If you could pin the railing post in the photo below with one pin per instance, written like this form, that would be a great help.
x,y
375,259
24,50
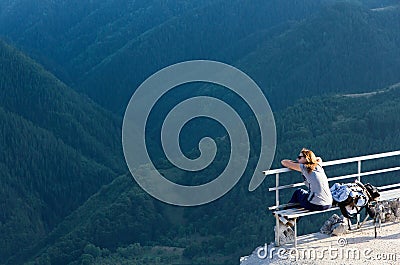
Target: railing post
x,y
359,170
277,229
277,191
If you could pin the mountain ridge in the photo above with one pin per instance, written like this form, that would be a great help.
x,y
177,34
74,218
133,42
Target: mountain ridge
x,y
65,195
55,151
355,125
28,95
307,61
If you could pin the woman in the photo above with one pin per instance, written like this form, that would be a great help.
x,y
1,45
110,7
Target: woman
x,y
319,196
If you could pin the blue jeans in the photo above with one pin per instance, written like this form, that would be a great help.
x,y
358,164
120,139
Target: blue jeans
x,y
301,196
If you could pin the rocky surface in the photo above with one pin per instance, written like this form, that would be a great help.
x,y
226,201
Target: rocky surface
x,y
355,247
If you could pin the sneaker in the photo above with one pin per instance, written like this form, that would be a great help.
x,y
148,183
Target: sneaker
x,y
290,223
286,234
286,222
283,220
282,227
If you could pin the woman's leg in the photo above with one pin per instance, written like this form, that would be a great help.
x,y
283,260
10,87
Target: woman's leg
x,y
301,196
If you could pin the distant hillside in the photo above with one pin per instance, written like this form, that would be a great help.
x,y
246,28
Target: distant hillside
x,y
343,49
106,48
35,94
118,217
57,149
42,180
340,48
326,67
208,32
110,47
69,37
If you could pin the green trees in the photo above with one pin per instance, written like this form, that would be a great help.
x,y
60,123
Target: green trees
x,y
121,214
57,149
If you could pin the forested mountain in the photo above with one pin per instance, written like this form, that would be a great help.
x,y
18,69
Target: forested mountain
x,y
87,45
65,194
71,37
57,149
107,48
33,93
200,34
343,49
119,222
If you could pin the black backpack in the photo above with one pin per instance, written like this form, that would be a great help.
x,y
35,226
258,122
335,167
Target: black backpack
x,y
372,190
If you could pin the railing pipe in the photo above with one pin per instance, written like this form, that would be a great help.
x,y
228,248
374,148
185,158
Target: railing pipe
x,y
340,161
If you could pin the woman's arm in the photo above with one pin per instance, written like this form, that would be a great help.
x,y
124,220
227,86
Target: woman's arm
x,y
291,165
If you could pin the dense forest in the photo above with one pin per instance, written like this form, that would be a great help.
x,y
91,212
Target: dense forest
x,y
122,223
68,68
53,146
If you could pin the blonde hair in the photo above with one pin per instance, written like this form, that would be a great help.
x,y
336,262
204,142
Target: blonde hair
x,y
311,159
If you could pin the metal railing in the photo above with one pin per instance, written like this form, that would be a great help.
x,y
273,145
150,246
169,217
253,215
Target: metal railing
x,y
359,173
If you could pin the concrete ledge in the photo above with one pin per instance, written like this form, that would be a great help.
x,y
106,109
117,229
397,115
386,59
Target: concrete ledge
x,y
355,247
